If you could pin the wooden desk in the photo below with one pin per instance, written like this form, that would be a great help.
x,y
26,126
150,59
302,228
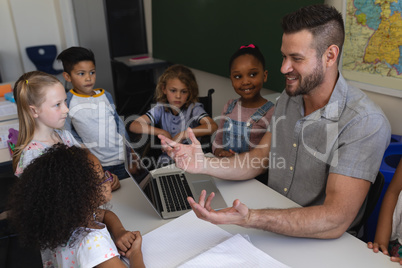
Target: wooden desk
x,y
137,214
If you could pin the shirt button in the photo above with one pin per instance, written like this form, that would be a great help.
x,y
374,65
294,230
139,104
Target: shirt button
x,y
248,124
291,168
294,145
285,190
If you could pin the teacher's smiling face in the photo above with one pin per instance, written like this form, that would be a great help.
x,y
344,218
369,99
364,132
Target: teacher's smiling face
x,y
302,68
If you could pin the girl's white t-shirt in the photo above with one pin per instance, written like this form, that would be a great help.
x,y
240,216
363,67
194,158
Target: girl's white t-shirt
x,y
87,250
37,148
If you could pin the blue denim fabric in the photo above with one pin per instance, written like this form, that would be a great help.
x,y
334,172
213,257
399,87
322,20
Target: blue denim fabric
x,y
118,170
236,135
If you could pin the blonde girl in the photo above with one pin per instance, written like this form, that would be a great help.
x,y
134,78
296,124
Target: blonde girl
x,y
42,111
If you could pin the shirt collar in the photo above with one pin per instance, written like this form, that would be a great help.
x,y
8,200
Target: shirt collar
x,y
335,105
337,102
102,91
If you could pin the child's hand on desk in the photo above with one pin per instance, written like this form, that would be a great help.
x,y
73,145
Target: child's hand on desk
x,y
383,247
377,247
115,182
136,245
124,240
134,254
397,259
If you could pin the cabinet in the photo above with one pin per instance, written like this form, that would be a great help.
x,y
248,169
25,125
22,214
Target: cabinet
x,y
115,29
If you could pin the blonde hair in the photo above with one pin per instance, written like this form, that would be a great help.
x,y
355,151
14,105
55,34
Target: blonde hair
x,y
29,90
185,75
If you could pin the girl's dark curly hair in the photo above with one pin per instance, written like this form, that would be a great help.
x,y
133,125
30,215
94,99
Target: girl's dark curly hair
x,y
58,192
252,50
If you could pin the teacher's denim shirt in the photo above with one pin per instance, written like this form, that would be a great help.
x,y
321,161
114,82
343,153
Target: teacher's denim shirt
x,y
348,136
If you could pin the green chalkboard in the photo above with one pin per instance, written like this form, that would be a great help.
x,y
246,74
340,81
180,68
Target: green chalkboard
x,y
203,34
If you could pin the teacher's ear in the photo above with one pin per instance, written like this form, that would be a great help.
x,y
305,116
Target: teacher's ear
x,y
331,55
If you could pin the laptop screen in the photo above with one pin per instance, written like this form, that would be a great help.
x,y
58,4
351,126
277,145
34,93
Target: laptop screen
x,y
135,167
138,171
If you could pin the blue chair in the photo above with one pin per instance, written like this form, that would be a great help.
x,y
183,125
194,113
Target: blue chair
x,y
396,138
43,57
391,160
373,196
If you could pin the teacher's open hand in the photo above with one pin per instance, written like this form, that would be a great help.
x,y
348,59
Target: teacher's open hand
x,y
237,214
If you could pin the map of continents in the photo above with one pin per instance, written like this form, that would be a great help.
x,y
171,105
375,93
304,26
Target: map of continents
x,y
373,39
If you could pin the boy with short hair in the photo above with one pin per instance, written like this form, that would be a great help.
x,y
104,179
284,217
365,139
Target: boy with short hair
x,y
93,119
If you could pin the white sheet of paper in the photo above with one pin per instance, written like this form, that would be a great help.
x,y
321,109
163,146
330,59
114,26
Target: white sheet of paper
x,y
180,240
190,242
234,252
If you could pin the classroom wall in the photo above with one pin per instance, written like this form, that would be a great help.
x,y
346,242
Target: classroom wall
x,y
390,105
52,21
26,23
10,63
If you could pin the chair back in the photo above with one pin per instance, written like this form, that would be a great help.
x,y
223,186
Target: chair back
x,y
206,101
372,198
43,58
390,160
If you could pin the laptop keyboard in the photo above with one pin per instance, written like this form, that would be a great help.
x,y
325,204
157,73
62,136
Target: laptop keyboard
x,y
175,190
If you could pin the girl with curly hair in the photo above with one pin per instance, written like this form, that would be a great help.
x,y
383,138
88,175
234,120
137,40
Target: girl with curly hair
x,y
55,207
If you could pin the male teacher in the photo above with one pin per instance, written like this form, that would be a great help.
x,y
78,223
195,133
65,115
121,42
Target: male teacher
x,y
329,137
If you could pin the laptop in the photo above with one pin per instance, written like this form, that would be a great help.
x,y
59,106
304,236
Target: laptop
x,y
167,189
